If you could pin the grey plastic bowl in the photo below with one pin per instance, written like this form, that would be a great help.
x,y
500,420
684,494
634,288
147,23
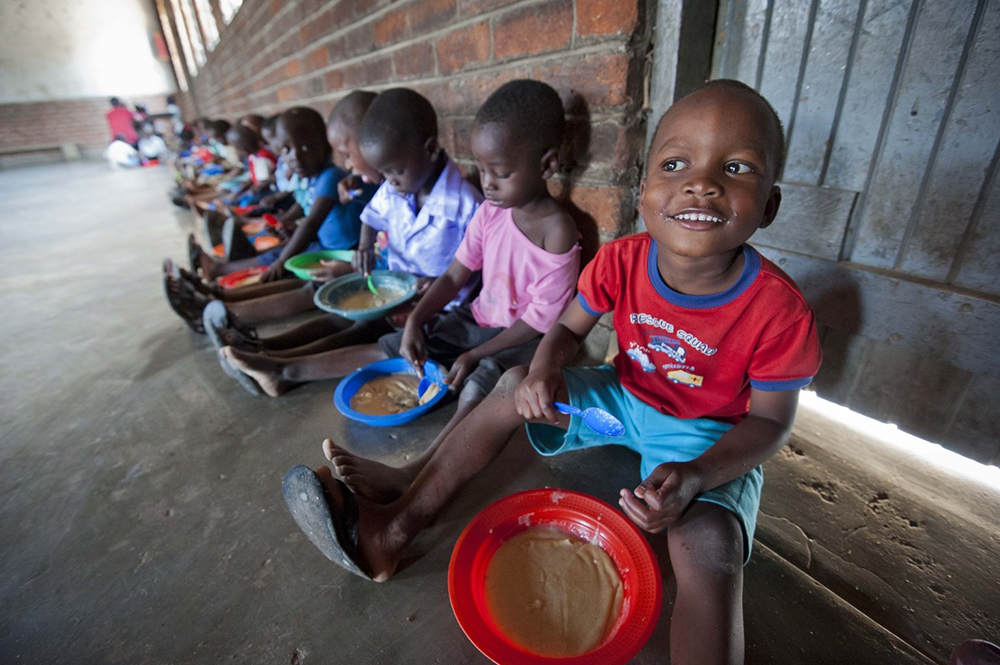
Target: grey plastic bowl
x,y
330,294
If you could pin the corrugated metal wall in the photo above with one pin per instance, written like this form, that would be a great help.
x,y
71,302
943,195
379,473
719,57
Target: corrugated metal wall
x,y
891,214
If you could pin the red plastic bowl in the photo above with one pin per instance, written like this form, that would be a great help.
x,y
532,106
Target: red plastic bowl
x,y
583,516
233,279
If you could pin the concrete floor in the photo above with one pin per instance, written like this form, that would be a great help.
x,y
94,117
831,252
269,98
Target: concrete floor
x,y
140,506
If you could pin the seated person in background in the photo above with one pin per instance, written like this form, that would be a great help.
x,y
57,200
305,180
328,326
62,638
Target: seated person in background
x,y
151,145
121,153
120,123
714,341
425,206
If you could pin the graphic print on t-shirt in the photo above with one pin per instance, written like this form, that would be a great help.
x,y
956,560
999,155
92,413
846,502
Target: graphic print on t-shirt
x,y
677,367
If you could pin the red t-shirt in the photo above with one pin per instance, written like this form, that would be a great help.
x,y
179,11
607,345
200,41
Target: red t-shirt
x,y
120,122
699,356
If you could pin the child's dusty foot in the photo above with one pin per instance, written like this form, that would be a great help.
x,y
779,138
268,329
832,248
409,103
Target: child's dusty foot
x,y
373,480
350,530
224,330
264,370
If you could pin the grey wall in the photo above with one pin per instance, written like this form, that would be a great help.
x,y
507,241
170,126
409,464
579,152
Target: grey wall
x,y
891,215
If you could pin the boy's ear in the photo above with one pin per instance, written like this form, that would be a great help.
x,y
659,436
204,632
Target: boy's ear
x,y
431,146
642,193
550,163
771,207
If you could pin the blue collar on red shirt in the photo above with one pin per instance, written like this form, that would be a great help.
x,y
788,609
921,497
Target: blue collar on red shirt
x,y
751,267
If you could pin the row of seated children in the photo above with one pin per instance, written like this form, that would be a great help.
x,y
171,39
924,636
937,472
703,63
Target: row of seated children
x,y
689,294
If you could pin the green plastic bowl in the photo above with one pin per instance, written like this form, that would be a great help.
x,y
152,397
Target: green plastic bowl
x,y
333,292
297,264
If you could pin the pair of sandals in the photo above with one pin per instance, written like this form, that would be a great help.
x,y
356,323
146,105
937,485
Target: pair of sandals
x,y
182,298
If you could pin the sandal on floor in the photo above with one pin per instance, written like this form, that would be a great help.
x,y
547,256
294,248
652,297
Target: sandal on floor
x,y
183,303
200,285
334,533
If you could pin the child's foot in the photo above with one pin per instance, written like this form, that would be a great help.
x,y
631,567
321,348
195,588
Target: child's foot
x,y
264,370
224,330
200,261
211,290
373,480
351,531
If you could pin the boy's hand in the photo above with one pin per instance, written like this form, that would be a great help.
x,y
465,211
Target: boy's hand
x,y
463,366
364,260
660,500
268,201
533,398
423,283
346,188
330,270
275,272
412,348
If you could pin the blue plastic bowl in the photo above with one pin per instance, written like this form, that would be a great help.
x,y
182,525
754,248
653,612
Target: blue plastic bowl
x,y
330,294
353,382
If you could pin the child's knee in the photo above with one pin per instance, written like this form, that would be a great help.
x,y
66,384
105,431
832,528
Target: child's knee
x,y
510,380
706,543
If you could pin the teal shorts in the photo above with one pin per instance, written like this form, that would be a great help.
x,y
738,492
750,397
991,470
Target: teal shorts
x,y
656,436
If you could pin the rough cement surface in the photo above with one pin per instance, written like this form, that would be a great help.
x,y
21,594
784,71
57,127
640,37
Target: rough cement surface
x,y
140,506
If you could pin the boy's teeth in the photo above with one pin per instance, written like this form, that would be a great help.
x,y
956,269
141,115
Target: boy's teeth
x,y
699,217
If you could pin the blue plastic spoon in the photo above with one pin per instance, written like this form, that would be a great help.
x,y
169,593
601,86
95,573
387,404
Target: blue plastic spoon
x,y
596,419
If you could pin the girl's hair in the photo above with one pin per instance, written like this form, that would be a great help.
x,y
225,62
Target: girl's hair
x,y
532,109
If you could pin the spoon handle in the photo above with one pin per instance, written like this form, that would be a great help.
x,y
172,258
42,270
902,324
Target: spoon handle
x,y
371,286
567,408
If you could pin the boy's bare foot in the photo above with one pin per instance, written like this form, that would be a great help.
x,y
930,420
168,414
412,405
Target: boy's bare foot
x,y
350,530
264,370
373,480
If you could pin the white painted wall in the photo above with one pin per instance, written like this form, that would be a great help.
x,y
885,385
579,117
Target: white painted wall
x,y
67,49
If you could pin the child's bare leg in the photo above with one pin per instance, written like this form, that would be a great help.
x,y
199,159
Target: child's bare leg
x,y
241,293
276,305
278,375
383,483
289,342
384,531
348,334
706,552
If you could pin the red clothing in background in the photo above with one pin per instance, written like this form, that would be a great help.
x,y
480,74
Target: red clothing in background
x,y
120,122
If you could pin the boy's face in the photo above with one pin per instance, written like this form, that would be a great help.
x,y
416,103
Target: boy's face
x,y
710,180
405,166
305,152
347,152
511,176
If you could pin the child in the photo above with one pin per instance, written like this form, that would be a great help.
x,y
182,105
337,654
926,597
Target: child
x,y
714,344
425,206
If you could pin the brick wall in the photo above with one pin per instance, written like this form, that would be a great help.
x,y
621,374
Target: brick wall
x,y
455,52
78,121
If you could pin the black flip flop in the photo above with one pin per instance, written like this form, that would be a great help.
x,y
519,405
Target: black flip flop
x,y
181,303
213,290
335,534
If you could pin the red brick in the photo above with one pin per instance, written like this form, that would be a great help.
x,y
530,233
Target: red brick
x,y
359,40
335,50
275,6
333,80
603,205
317,28
466,7
464,47
606,17
608,144
317,59
427,15
414,61
600,78
533,29
292,68
391,28
286,93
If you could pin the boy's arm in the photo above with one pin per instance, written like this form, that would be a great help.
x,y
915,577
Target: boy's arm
x,y
519,332
364,257
660,500
304,234
441,292
536,393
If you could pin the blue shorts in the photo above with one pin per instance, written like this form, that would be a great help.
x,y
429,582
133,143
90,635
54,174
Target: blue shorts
x,y
656,436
